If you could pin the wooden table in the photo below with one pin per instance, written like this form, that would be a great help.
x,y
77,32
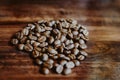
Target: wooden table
x,y
101,17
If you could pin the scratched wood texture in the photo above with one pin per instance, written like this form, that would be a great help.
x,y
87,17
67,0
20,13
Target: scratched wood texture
x,y
101,17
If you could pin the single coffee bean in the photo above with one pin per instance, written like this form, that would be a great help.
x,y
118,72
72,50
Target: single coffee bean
x,y
67,71
28,47
21,46
59,69
81,57
39,62
75,51
44,57
42,39
14,41
45,71
70,64
83,53
63,62
35,53
76,62
83,46
52,51
25,31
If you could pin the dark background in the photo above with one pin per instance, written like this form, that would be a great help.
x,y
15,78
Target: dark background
x,y
101,17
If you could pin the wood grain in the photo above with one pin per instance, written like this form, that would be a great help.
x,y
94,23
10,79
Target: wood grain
x,y
100,17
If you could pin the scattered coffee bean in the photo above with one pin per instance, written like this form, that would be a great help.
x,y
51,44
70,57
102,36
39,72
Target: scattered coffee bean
x,y
70,64
21,46
14,41
59,69
45,71
67,71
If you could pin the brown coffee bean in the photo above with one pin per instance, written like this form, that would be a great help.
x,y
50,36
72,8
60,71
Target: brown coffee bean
x,y
35,44
35,53
52,51
83,46
44,57
42,39
32,26
28,47
25,31
32,37
59,69
19,35
67,71
76,62
48,65
81,41
83,53
63,62
70,64
45,71
75,51
21,46
14,41
23,40
81,57
39,62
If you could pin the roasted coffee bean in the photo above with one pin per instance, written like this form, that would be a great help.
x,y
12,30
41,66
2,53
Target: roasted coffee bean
x,y
43,44
63,62
14,41
23,40
32,26
50,61
67,71
39,62
44,57
19,35
42,39
32,37
21,46
83,53
70,46
81,41
83,46
52,51
51,40
81,57
45,71
76,62
25,31
47,65
35,54
35,44
59,69
28,47
75,51
70,64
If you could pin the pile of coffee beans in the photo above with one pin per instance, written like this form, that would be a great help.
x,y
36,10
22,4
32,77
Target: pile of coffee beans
x,y
55,45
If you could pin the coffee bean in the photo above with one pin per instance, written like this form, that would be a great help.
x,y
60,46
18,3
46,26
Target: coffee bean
x,y
44,57
28,47
21,46
67,71
14,41
70,64
59,69
45,71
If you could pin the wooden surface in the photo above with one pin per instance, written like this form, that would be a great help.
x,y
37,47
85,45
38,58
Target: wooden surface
x,y
102,18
